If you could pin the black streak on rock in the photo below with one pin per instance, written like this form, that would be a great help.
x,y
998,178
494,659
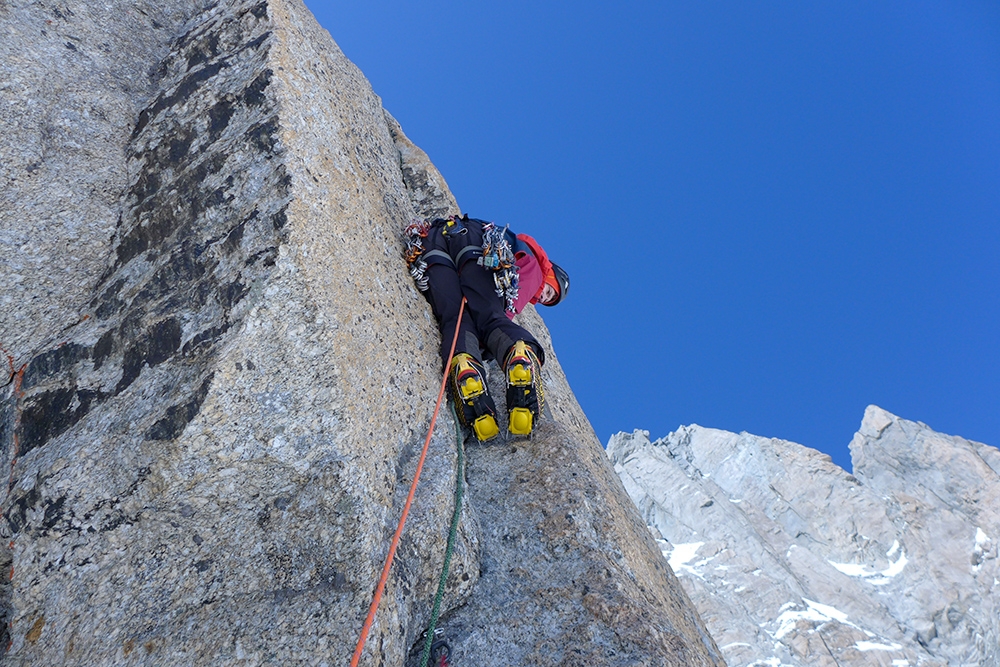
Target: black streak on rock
x,y
179,145
232,242
52,362
177,417
190,261
219,117
163,220
183,91
279,219
254,93
204,339
232,294
268,255
204,52
157,344
51,413
53,512
182,269
108,304
262,135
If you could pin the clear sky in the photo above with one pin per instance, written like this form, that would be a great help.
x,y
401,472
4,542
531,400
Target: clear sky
x,y
773,213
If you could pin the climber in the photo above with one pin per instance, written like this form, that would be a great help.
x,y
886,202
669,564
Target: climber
x,y
498,273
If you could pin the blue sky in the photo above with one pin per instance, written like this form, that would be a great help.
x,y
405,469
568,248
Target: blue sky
x,y
773,213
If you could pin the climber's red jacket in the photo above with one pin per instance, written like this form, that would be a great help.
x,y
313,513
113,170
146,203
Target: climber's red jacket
x,y
533,266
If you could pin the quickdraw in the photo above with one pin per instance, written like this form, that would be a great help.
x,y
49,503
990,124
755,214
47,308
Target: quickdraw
x,y
414,235
438,652
499,258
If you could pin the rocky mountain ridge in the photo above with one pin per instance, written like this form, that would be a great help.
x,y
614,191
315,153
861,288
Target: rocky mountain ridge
x,y
220,374
793,561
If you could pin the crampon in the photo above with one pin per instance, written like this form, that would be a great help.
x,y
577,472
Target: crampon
x,y
525,393
475,407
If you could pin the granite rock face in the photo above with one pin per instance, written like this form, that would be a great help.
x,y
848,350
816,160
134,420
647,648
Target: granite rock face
x,y
793,561
73,77
220,374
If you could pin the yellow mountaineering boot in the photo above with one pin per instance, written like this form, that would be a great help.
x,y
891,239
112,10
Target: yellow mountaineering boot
x,y
468,388
525,393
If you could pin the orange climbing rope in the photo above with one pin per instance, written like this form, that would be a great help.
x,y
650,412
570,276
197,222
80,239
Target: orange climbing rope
x,y
409,500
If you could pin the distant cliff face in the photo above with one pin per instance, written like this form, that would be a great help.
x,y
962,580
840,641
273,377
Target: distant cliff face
x,y
220,374
792,561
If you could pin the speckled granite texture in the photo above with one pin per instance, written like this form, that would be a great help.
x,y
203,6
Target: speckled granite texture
x,y
221,374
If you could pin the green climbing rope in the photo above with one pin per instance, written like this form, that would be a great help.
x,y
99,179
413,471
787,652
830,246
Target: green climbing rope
x,y
452,534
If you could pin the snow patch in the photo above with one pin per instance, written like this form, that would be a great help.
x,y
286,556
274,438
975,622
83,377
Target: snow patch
x,y
896,567
681,555
893,549
814,612
827,610
736,500
900,663
853,569
873,646
873,577
977,551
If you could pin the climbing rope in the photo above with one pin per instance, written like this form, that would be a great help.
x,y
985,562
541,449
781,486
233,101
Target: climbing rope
x,y
366,628
450,548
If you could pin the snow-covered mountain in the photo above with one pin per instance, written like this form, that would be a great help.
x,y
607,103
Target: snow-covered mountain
x,y
793,561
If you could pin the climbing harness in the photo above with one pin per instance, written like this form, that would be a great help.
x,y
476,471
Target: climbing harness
x,y
497,254
499,258
380,588
414,235
453,226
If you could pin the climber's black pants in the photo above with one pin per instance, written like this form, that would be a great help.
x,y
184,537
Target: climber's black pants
x,y
484,322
